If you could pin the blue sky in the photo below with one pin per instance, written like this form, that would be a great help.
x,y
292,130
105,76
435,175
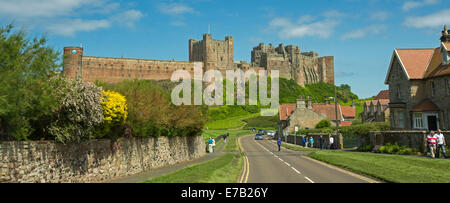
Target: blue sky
x,y
360,34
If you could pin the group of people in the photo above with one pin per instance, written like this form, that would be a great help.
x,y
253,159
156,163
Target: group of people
x,y
310,142
436,144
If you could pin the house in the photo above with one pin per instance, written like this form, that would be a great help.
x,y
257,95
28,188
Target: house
x,y
307,114
419,87
376,110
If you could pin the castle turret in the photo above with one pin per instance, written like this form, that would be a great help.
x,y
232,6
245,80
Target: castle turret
x,y
72,62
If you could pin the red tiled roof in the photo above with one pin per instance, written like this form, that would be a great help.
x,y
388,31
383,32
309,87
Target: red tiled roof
x,y
426,105
328,110
348,111
446,45
346,123
384,94
415,61
383,102
286,110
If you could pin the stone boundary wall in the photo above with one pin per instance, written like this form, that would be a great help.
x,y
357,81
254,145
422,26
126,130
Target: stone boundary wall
x,y
94,160
338,139
411,138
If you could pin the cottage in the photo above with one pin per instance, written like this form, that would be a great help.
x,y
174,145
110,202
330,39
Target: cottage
x,y
419,87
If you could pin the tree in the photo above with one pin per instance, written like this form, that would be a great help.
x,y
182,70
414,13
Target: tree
x,y
26,66
346,87
323,124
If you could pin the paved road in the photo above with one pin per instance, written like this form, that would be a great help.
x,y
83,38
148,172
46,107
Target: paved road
x,y
267,165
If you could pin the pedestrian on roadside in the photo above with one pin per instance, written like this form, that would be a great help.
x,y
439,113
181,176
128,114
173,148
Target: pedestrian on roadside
x,y
311,141
210,141
305,142
331,143
440,144
431,141
213,144
321,142
279,144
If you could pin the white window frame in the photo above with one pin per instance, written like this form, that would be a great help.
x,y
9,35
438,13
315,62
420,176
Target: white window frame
x,y
418,120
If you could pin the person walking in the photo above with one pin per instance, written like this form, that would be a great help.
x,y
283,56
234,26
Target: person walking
x,y
279,144
304,141
213,144
311,141
331,143
321,142
431,141
440,144
210,141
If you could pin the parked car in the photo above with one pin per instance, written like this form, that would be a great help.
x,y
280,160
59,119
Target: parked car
x,y
259,136
271,133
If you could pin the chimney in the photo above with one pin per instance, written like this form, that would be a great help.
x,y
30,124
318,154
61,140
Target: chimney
x,y
301,103
309,103
445,35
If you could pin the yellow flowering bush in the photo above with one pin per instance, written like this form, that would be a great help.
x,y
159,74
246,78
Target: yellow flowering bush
x,y
114,108
115,112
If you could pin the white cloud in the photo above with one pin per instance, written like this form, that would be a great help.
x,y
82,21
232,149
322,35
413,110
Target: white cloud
x,y
44,8
128,18
287,29
175,9
363,32
408,5
307,25
438,19
379,15
67,17
69,27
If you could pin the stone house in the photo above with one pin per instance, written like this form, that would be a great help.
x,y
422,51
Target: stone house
x,y
419,87
376,110
305,114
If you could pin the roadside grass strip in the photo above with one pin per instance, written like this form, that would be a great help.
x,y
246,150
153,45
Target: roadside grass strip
x,y
389,168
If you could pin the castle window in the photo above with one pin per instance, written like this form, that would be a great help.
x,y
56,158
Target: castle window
x,y
167,69
221,58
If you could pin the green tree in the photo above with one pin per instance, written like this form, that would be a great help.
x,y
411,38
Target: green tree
x,y
26,65
323,124
346,87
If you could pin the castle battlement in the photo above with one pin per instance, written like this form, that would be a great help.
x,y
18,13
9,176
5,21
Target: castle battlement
x,y
303,67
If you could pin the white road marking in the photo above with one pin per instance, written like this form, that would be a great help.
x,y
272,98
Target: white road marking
x,y
309,179
296,170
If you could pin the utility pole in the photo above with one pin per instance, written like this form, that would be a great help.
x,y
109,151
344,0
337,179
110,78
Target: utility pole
x,y
335,108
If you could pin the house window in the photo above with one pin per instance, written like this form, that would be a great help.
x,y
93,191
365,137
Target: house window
x,y
399,94
418,120
401,120
433,89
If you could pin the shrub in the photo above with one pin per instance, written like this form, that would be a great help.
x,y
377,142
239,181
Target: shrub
x,y
79,113
323,124
115,112
365,148
151,112
389,148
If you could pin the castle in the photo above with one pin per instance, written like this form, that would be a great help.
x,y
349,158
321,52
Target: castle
x,y
303,67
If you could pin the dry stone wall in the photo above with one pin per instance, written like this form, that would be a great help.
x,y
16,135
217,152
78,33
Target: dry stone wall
x,y
94,160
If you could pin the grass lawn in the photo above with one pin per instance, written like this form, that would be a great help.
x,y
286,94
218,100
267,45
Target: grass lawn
x,y
223,169
229,123
390,168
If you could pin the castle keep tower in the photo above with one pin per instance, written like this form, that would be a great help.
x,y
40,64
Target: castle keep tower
x,y
215,54
72,62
